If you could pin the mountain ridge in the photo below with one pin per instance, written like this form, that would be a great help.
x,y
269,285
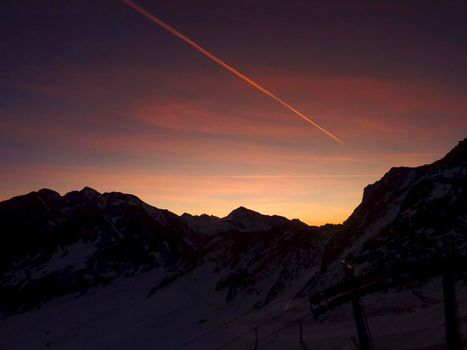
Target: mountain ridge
x,y
114,235
90,193
389,201
53,245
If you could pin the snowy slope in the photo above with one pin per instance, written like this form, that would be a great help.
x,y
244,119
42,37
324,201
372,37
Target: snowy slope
x,y
120,316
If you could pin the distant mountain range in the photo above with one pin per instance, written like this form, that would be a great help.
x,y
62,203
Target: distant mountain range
x,y
53,245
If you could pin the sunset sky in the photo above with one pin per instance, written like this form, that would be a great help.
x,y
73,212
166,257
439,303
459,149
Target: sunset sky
x,y
94,94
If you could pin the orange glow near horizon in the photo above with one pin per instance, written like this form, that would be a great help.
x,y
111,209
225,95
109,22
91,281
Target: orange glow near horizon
x,y
242,76
217,195
98,96
314,199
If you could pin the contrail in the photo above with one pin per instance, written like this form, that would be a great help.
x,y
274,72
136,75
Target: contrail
x,y
208,54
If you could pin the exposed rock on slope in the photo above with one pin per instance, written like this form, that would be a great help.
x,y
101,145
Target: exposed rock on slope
x,y
410,214
54,245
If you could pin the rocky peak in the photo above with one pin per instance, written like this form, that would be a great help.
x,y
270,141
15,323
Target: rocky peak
x,y
458,155
411,202
242,212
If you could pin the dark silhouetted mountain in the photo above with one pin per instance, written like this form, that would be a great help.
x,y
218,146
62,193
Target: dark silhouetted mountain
x,y
53,245
410,214
240,219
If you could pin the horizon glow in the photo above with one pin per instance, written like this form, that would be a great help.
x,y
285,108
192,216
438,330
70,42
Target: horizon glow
x,y
92,95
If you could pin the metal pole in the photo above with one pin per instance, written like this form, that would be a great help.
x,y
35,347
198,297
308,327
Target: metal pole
x,y
363,331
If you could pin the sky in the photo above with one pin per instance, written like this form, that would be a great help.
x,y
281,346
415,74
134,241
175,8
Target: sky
x,y
94,94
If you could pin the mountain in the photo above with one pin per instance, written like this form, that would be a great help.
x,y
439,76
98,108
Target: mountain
x,y
55,245
240,219
410,214
413,221
132,275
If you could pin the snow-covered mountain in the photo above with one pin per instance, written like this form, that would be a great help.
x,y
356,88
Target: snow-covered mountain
x,y
410,214
55,245
240,219
52,245
129,275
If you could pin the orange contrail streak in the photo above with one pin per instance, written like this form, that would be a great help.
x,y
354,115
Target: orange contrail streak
x,y
205,52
